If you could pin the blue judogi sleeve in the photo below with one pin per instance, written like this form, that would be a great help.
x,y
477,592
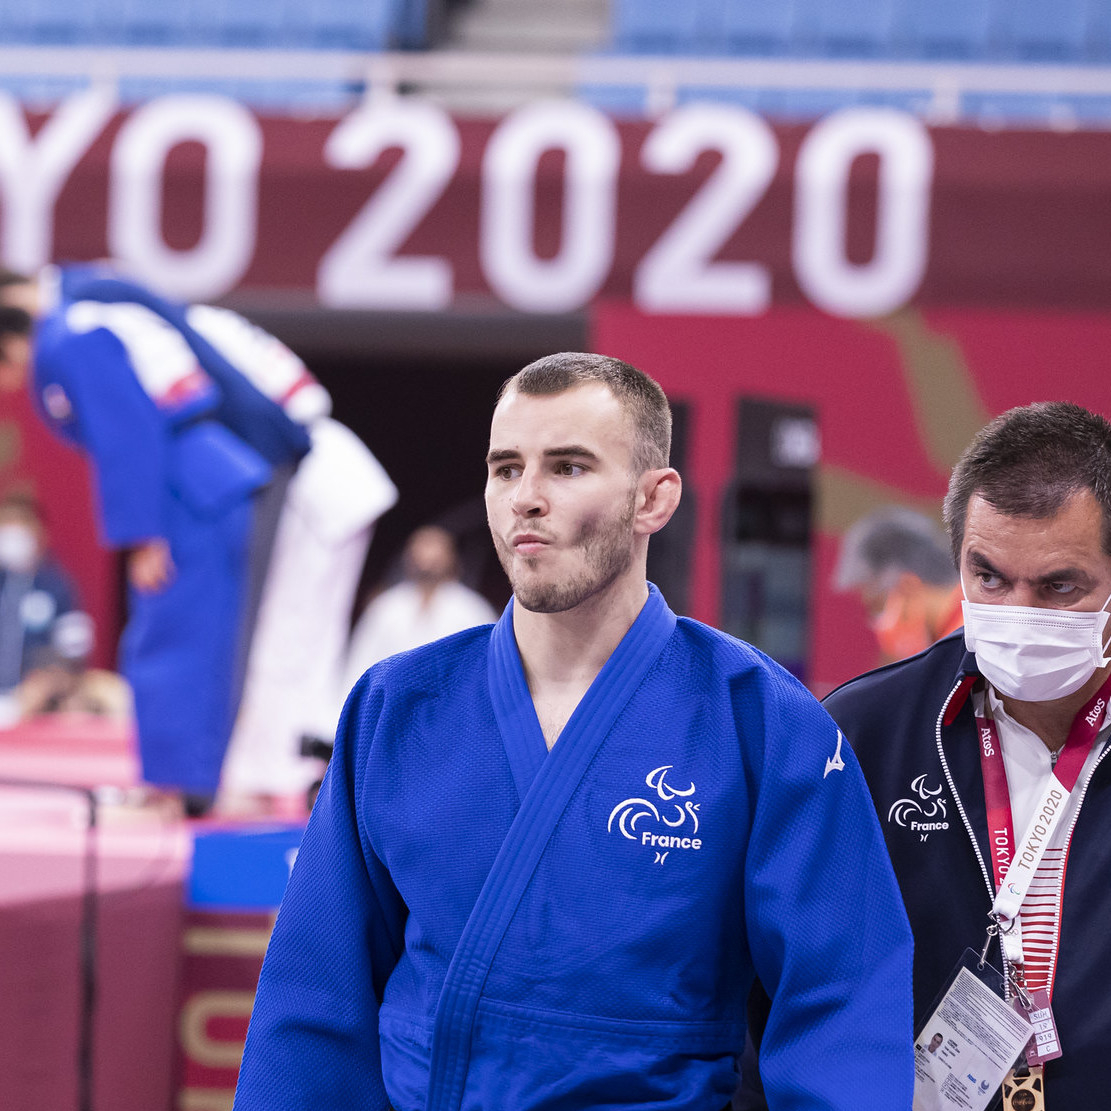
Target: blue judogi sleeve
x,y
337,938
121,428
828,934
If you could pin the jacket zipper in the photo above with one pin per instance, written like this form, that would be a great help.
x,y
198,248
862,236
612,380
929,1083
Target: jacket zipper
x,y
1068,841
957,798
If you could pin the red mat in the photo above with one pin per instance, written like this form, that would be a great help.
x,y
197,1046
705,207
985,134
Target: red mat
x,y
141,859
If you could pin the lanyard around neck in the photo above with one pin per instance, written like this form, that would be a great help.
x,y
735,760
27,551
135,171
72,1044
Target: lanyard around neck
x,y
1014,863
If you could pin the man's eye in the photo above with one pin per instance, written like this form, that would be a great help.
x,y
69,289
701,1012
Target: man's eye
x,y
569,469
1061,588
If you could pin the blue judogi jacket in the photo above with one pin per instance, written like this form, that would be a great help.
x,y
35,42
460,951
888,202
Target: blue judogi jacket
x,y
87,392
475,922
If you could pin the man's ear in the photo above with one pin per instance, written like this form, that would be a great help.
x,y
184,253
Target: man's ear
x,y
658,495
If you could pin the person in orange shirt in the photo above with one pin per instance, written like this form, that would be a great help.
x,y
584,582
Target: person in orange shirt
x,y
900,564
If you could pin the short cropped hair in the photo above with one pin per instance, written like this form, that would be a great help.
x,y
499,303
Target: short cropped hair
x,y
1029,461
14,322
640,396
894,539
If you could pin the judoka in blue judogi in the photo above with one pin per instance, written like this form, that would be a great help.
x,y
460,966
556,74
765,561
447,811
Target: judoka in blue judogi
x,y
550,854
181,446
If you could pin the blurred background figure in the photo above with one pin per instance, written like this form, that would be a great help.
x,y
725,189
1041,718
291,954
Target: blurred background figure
x,y
176,492
313,523
244,509
900,563
42,627
70,686
428,603
295,672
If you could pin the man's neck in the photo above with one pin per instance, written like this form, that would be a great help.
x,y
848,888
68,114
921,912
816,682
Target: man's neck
x,y
562,653
1052,721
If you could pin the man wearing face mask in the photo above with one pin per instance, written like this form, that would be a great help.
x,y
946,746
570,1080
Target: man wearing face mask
x,y
38,603
986,754
986,757
898,561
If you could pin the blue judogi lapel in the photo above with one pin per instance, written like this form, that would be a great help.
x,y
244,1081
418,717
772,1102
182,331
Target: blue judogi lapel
x,y
545,782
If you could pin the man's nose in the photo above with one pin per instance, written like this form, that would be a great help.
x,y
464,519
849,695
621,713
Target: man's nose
x,y
1025,594
529,499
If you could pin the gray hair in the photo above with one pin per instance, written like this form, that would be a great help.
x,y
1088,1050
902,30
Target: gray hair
x,y
894,539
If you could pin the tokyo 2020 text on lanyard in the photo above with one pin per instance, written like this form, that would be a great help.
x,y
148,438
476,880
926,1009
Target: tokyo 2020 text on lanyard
x,y
1015,863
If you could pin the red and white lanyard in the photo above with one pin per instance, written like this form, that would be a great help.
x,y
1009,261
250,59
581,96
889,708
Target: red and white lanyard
x,y
1015,863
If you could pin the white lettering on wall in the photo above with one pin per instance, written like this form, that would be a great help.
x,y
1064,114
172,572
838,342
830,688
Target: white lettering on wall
x,y
509,261
361,269
233,148
364,267
33,170
892,276
678,273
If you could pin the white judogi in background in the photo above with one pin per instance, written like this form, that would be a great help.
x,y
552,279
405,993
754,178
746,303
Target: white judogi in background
x,y
294,685
295,669
428,603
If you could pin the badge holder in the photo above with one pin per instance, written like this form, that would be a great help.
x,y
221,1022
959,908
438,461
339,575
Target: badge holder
x,y
970,1042
1024,1085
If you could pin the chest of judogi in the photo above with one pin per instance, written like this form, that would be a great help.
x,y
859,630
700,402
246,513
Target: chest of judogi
x,y
622,850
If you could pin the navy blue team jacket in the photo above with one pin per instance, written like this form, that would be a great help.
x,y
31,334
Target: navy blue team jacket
x,y
911,725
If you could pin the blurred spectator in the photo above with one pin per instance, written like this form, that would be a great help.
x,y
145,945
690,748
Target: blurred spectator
x,y
427,604
69,685
901,565
41,624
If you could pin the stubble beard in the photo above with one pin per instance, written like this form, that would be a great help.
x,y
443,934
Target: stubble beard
x,y
607,554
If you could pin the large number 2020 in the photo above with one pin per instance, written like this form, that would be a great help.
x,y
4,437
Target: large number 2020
x,y
679,272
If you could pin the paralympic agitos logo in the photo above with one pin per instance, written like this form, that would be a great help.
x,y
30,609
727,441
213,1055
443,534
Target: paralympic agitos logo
x,y
923,814
631,812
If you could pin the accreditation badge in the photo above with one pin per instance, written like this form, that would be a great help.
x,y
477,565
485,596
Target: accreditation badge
x,y
1024,1091
970,1042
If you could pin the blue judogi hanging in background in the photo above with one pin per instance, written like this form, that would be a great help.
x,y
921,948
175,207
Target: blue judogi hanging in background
x,y
121,383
